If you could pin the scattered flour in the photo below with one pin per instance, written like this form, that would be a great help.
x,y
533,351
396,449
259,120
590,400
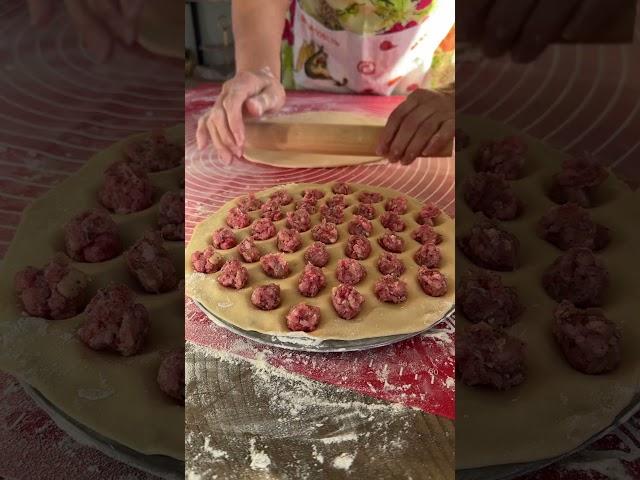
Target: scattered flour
x,y
317,455
343,461
215,453
259,459
347,437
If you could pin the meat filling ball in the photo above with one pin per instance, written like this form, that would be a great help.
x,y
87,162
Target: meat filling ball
x,y
171,215
365,210
370,197
223,238
115,322
390,289
303,318
389,264
346,301
428,214
392,221
397,205
428,255
570,225
171,375
577,276
492,195
432,282
311,281
275,265
249,203
288,240
126,189
207,260
308,205
248,250
155,153
391,242
325,232
489,356
238,218
341,188
360,226
54,292
312,194
316,254
426,234
271,210
589,341
266,297
505,157
151,264
333,214
282,197
336,201
488,246
357,247
263,229
92,236
299,220
233,275
350,271
577,181
483,298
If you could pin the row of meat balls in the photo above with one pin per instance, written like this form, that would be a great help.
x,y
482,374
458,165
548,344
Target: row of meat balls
x,y
486,353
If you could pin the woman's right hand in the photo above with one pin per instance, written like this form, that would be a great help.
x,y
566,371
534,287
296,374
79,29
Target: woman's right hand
x,y
254,93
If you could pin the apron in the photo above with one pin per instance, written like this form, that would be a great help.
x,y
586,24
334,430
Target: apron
x,y
342,61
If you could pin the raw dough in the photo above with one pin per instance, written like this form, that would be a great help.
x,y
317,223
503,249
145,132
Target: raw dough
x,y
375,320
116,397
556,408
161,28
285,159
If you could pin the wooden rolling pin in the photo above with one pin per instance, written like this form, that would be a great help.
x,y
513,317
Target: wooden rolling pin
x,y
330,139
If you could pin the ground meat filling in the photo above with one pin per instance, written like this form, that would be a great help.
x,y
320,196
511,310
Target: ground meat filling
x,y
266,297
288,240
463,140
299,220
483,298
504,157
489,356
171,375
249,203
365,210
274,265
390,264
577,276
428,255
126,189
492,195
370,197
488,246
336,201
341,188
92,236
155,154
312,194
115,322
271,210
248,250
428,214
233,275
263,229
303,318
151,264
332,214
398,205
223,239
346,301
577,181
433,282
360,226
357,247
316,254
308,205
589,341
325,232
207,261
311,281
55,292
392,221
570,225
391,242
350,271
426,234
238,218
171,215
390,289
282,197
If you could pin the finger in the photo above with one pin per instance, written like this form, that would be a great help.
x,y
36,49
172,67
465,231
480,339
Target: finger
x,y
113,17
408,128
590,16
219,118
202,133
393,123
93,33
503,24
270,100
541,29
440,140
421,138
40,12
470,20
223,153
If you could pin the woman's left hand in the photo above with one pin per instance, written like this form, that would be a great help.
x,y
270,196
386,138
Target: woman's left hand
x,y
421,126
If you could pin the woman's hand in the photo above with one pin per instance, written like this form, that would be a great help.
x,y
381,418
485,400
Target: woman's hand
x,y
421,126
255,93
99,22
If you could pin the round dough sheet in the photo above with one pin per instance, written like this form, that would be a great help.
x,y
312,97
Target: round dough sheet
x,y
376,318
556,408
286,159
